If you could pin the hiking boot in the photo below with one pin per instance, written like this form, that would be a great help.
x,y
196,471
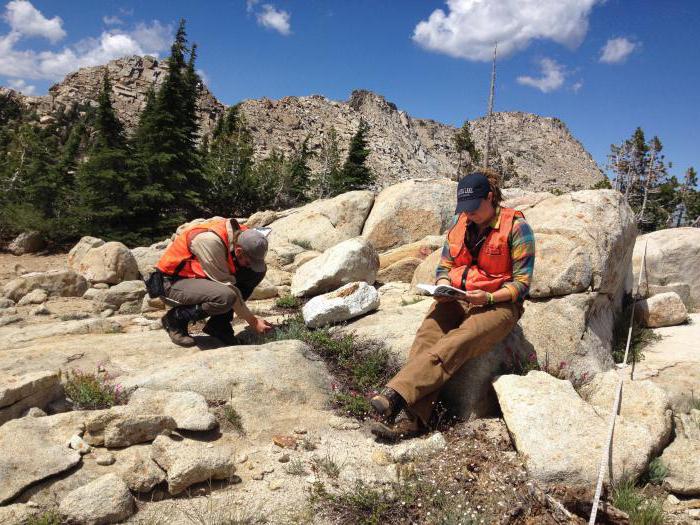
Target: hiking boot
x,y
221,329
176,320
405,428
388,403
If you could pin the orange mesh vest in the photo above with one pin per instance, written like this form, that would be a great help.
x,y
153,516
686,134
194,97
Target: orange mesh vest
x,y
493,266
179,261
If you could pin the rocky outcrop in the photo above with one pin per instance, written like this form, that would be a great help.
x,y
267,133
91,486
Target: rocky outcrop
x,y
131,78
349,261
544,153
189,410
672,260
542,150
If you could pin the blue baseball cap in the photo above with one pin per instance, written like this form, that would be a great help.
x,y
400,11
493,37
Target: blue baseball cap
x,y
471,190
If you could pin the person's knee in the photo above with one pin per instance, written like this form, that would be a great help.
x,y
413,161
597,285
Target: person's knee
x,y
228,299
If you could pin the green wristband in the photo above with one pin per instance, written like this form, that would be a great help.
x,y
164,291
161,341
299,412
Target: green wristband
x,y
489,298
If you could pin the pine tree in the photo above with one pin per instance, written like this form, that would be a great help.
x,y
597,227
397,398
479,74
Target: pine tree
x,y
468,154
105,183
329,174
165,144
229,167
355,175
298,175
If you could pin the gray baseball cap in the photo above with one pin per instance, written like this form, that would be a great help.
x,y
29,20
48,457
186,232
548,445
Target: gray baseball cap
x,y
254,245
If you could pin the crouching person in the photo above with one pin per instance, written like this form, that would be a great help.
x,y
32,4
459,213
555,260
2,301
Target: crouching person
x,y
490,254
210,270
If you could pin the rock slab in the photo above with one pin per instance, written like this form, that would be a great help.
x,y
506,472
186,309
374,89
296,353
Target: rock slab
x,y
62,283
566,443
102,501
189,410
682,459
664,309
187,462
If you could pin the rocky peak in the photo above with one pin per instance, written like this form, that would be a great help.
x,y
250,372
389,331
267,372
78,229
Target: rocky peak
x,y
543,151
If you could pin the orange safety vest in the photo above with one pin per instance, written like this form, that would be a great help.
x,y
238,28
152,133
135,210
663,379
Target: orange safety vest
x,y
179,261
493,266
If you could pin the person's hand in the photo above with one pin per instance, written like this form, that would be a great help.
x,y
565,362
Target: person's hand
x,y
260,326
477,297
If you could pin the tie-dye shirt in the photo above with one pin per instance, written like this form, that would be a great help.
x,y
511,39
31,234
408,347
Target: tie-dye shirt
x,y
522,252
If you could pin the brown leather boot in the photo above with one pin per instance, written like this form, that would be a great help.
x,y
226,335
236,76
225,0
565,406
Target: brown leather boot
x,y
405,428
222,330
388,403
176,320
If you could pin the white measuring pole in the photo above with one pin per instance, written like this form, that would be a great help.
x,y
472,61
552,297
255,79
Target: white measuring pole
x,y
616,404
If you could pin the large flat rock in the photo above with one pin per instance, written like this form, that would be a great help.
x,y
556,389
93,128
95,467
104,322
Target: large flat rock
x,y
562,437
34,449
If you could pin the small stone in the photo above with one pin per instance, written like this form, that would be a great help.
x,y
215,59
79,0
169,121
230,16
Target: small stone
x,y
35,412
673,500
107,313
242,458
381,457
258,476
284,458
343,423
275,484
100,286
77,443
284,441
105,459
268,470
9,319
300,431
36,296
41,310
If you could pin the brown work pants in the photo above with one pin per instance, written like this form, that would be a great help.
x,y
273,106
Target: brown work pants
x,y
451,334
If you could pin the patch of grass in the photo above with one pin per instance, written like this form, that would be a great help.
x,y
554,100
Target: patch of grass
x,y
656,472
407,502
92,391
50,517
233,417
288,301
694,402
353,404
362,366
302,243
295,467
642,511
641,338
327,465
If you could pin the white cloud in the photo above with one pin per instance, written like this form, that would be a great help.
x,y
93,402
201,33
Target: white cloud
x,y
144,39
250,5
27,20
112,20
616,50
272,18
20,85
576,87
552,76
203,76
470,28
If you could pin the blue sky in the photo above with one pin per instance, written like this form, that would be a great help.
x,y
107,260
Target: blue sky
x,y
603,67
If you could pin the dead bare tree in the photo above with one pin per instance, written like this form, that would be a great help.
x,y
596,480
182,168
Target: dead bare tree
x,y
489,117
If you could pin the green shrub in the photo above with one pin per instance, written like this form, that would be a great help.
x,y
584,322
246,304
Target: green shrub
x,y
233,417
302,243
295,468
327,465
50,517
88,391
288,301
641,338
656,472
